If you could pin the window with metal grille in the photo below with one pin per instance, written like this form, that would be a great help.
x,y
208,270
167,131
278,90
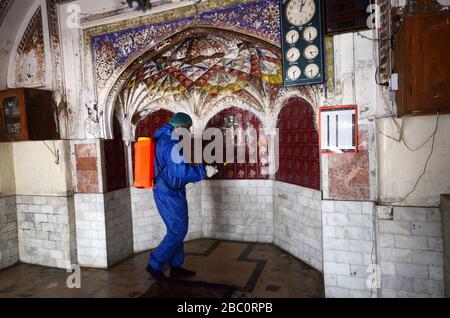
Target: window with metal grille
x,y
299,145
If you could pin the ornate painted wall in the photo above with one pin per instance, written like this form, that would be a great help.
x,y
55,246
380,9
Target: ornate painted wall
x,y
120,49
30,58
115,45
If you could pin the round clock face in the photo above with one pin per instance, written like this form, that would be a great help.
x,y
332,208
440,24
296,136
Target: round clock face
x,y
310,33
292,36
293,72
311,52
311,70
300,12
293,54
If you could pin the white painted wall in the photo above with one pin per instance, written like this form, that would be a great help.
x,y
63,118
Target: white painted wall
x,y
400,168
36,172
7,181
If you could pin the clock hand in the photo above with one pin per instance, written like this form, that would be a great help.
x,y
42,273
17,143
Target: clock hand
x,y
302,5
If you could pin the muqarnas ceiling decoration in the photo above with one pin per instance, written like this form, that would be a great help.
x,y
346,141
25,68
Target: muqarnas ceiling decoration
x,y
30,58
201,70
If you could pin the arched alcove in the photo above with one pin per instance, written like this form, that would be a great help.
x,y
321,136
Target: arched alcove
x,y
237,118
299,145
223,79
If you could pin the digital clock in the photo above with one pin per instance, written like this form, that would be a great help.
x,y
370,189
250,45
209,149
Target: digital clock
x,y
346,15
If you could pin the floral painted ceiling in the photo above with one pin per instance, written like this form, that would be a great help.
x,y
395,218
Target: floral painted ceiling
x,y
207,67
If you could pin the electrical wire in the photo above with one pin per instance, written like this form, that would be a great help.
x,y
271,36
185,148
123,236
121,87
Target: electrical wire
x,y
385,84
426,162
55,152
374,40
402,137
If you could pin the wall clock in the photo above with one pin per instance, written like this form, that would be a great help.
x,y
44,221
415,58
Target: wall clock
x,y
302,42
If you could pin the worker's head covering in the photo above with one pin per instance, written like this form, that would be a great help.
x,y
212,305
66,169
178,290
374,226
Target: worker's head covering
x,y
180,119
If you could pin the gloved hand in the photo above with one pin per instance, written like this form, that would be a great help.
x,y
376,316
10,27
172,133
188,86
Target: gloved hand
x,y
210,171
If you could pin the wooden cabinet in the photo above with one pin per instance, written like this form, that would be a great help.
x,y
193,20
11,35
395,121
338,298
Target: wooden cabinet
x,y
422,61
27,114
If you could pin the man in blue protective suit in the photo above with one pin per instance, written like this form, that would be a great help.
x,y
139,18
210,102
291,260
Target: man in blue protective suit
x,y
172,174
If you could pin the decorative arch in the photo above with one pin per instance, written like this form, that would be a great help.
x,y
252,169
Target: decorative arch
x,y
308,93
215,107
29,63
261,97
234,117
299,157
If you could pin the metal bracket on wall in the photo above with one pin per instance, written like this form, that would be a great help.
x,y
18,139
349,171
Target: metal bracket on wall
x,y
54,152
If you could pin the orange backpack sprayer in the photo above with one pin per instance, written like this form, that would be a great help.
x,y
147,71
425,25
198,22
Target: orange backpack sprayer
x,y
144,165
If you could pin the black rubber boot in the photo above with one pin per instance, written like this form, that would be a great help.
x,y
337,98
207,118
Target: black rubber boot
x,y
156,274
176,272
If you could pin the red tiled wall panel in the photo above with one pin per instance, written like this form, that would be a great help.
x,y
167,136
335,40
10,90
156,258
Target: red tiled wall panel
x,y
240,118
299,149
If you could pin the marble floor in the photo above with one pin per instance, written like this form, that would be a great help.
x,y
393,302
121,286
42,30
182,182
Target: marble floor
x,y
256,270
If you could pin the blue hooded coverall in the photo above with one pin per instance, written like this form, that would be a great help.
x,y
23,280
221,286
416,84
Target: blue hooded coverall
x,y
170,197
